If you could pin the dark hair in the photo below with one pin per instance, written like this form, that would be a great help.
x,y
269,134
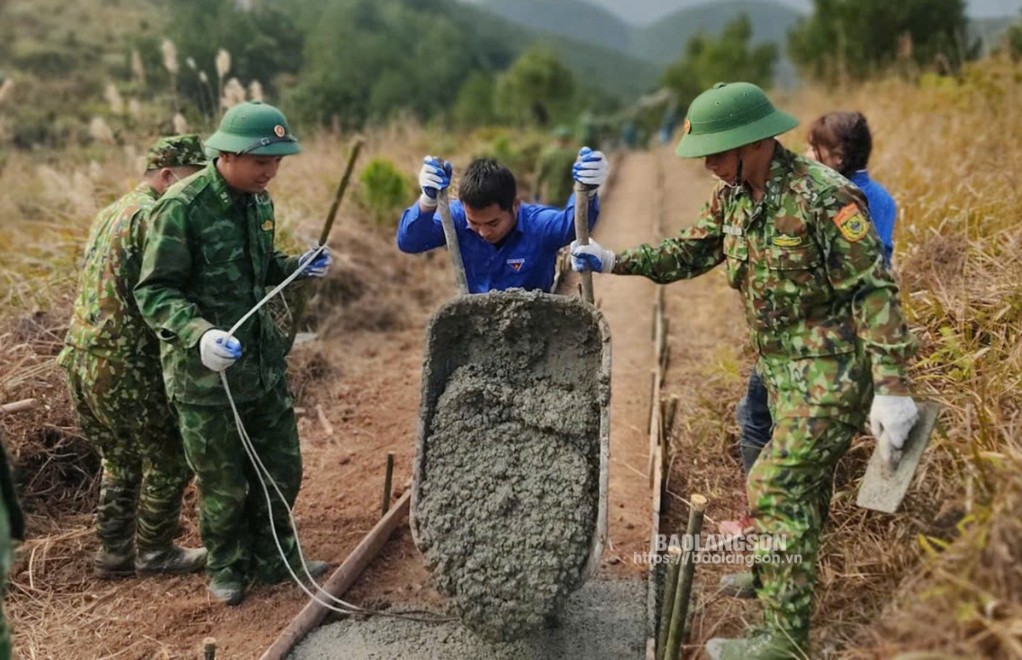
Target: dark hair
x,y
487,182
845,134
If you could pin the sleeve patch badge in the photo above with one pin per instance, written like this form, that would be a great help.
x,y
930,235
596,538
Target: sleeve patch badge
x,y
268,225
851,223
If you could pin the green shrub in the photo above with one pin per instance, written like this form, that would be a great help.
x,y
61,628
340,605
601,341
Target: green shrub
x,y
384,191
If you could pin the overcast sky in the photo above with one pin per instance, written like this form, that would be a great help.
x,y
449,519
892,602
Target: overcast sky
x,y
645,11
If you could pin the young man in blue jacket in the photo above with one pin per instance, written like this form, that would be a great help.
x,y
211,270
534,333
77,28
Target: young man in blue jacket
x,y
504,243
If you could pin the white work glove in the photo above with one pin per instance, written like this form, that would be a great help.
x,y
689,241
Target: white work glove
x,y
891,418
218,349
591,167
315,267
593,257
434,176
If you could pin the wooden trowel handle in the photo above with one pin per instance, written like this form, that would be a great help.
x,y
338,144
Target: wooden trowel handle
x,y
582,235
451,236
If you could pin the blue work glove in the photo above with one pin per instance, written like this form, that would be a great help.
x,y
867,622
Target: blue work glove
x,y
434,176
591,167
592,257
218,349
315,267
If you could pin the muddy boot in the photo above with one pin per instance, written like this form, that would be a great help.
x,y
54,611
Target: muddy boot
x,y
173,560
279,574
110,565
738,585
115,527
227,588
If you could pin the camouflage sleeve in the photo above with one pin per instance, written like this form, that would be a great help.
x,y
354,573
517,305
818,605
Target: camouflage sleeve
x,y
281,266
134,243
694,251
166,269
855,270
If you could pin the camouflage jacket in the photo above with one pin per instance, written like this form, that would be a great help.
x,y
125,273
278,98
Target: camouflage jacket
x,y
807,262
106,320
208,260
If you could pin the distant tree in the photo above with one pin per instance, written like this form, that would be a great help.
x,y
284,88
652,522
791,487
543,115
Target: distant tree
x,y
538,89
474,105
860,38
263,42
1012,41
370,60
727,57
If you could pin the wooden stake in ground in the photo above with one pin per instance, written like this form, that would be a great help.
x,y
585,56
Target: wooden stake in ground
x,y
667,603
209,648
684,591
388,476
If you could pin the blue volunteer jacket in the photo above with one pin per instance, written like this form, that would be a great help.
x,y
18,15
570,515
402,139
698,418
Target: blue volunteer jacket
x,y
525,258
882,210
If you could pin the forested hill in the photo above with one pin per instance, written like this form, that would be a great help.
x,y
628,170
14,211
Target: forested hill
x,y
661,42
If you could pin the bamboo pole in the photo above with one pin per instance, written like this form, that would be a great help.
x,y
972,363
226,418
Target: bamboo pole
x,y
667,604
684,591
209,648
342,579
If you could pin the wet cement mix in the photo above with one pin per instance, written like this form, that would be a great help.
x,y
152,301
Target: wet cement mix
x,y
509,494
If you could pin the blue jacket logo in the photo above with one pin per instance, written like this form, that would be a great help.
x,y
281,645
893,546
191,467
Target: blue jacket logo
x,y
516,264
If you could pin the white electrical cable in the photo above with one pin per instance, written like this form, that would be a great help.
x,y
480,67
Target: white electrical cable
x,y
260,469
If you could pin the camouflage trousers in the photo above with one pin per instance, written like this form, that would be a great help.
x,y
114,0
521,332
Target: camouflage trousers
x,y
818,405
123,412
233,512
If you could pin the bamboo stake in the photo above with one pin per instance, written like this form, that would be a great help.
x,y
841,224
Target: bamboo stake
x,y
387,480
582,235
667,604
209,648
684,591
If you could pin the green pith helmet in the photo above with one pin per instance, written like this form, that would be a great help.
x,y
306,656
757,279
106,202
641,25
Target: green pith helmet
x,y
254,128
728,116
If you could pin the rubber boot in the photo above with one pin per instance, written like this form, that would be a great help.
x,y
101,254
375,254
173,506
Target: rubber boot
x,y
227,587
115,527
738,585
757,646
174,560
111,565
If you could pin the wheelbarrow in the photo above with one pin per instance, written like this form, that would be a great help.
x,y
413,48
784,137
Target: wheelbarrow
x,y
518,364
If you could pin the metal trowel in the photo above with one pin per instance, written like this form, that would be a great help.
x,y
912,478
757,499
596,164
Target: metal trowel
x,y
883,487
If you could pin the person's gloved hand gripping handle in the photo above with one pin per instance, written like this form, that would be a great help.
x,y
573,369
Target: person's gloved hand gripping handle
x,y
434,176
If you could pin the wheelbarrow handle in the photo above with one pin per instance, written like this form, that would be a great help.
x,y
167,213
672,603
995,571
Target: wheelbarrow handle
x,y
451,237
582,234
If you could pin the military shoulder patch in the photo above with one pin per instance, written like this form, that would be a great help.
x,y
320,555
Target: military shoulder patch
x,y
268,225
851,223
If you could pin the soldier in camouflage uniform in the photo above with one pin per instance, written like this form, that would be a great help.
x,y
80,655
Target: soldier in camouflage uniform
x,y
113,368
209,257
824,318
